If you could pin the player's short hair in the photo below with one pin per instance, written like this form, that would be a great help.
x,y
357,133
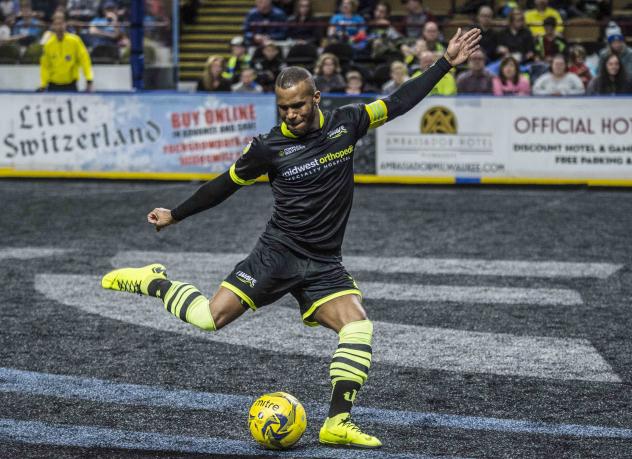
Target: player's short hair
x,y
292,76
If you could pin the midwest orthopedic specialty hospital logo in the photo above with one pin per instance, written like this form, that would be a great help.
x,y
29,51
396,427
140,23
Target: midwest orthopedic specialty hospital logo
x,y
318,164
438,120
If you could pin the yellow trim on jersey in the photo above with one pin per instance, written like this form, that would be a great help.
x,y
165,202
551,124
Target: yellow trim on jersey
x,y
240,294
237,180
378,113
287,133
319,303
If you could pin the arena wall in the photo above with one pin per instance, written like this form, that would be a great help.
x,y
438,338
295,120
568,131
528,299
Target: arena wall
x,y
179,136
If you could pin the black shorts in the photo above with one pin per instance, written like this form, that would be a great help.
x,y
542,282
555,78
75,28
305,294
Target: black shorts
x,y
272,270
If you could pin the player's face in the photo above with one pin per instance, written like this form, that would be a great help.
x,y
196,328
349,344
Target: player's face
x,y
298,107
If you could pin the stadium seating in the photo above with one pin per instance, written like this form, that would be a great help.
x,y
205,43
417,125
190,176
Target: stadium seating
x,y
451,25
342,51
105,54
149,55
438,7
323,9
582,30
9,54
622,8
381,74
32,54
303,55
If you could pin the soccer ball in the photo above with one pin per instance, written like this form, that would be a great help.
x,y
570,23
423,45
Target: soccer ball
x,y
277,420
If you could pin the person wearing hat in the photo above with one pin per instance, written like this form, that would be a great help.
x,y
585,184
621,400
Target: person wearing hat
x,y
616,45
535,17
239,59
105,30
550,44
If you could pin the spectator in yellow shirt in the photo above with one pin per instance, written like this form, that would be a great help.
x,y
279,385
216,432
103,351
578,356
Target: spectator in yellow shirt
x,y
535,18
446,85
63,54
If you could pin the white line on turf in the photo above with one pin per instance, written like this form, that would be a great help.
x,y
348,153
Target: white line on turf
x,y
200,268
398,344
43,433
103,391
26,253
468,295
224,262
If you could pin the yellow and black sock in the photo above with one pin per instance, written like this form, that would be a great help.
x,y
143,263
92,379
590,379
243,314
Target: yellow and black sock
x,y
183,301
350,365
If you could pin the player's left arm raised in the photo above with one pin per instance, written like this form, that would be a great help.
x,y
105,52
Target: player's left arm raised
x,y
414,90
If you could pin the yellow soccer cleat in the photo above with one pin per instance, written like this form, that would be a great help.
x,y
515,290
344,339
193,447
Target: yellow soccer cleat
x,y
341,431
133,280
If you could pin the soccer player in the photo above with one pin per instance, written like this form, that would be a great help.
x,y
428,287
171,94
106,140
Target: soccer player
x,y
309,162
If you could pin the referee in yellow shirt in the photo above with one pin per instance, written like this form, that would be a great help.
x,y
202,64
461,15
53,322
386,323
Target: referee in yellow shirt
x,y
63,54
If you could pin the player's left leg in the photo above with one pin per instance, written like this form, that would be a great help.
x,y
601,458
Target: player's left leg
x,y
348,370
181,299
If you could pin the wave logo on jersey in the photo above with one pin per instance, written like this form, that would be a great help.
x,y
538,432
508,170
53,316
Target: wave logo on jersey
x,y
289,150
246,278
338,132
438,120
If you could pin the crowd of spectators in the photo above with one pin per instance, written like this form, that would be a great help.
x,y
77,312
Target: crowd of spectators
x,y
102,25
362,48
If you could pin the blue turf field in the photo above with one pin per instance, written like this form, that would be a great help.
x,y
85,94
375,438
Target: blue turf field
x,y
501,319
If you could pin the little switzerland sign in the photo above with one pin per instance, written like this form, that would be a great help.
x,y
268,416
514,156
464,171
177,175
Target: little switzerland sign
x,y
441,140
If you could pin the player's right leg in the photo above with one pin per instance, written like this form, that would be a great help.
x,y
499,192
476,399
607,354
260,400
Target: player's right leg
x,y
181,299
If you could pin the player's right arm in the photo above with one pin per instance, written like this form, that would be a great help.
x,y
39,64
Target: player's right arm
x,y
250,165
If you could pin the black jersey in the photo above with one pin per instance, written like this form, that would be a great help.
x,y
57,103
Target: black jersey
x,y
311,178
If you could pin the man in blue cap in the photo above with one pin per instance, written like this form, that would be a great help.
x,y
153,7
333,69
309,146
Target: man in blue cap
x,y
616,45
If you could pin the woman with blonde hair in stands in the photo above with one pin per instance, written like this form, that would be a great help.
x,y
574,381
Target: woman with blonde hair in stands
x,y
509,82
328,77
355,83
211,79
399,75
